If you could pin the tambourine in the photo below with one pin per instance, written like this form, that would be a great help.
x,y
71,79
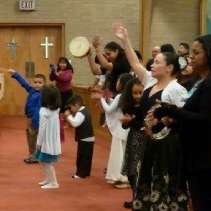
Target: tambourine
x,y
79,47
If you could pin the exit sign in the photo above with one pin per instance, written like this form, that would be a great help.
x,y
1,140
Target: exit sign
x,y
27,5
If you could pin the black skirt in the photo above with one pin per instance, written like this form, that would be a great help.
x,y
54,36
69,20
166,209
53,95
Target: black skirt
x,y
161,184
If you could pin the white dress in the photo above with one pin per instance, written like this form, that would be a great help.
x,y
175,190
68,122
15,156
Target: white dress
x,y
49,133
119,138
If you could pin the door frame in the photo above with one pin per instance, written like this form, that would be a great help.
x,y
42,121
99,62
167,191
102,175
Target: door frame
x,y
60,25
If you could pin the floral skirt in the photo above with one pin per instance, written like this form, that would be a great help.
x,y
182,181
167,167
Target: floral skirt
x,y
133,152
161,185
46,158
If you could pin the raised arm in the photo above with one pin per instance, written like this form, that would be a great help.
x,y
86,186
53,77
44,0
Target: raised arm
x,y
108,108
93,66
103,61
20,79
122,34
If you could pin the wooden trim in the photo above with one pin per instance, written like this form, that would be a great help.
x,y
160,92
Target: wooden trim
x,y
63,39
146,20
203,14
30,24
61,25
140,27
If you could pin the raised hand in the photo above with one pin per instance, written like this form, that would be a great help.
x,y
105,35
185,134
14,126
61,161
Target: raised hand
x,y
11,71
96,42
120,31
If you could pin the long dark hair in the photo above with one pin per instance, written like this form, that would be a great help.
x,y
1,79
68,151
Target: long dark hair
x,y
69,66
127,102
124,78
205,40
113,46
50,97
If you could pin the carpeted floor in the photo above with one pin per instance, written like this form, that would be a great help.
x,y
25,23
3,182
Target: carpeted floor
x,y
19,190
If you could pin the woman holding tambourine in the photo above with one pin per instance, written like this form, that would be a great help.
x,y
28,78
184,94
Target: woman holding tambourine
x,y
114,61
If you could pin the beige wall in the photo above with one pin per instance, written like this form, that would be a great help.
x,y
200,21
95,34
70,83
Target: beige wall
x,y
172,21
81,17
175,21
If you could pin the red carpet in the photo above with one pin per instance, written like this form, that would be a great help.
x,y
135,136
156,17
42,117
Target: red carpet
x,y
19,190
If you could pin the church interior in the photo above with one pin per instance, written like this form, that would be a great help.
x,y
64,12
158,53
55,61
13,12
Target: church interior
x,y
66,60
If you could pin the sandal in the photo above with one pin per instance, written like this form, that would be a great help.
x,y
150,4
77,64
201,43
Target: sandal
x,y
30,161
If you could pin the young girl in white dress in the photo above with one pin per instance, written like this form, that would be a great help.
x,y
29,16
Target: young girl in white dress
x,y
119,135
48,140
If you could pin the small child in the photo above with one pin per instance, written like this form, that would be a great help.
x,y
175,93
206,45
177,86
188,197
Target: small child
x,y
79,117
48,140
32,108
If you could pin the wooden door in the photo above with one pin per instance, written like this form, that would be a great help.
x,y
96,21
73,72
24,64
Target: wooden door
x,y
28,41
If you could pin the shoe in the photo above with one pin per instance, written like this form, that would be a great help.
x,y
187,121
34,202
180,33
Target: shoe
x,y
121,185
45,182
30,161
128,204
110,181
50,186
76,177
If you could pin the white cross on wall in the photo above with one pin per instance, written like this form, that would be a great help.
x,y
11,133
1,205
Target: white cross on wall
x,y
46,44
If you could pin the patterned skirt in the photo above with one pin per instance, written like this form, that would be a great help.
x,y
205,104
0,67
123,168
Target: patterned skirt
x,y
133,152
161,184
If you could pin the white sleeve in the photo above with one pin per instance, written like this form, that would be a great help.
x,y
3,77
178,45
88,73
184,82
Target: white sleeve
x,y
179,96
108,108
148,80
42,129
175,94
76,120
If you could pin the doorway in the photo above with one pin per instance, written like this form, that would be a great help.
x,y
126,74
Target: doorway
x,y
29,49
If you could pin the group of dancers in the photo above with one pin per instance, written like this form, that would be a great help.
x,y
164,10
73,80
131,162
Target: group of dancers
x,y
159,117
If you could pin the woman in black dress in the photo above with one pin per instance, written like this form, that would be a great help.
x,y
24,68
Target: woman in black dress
x,y
158,186
194,127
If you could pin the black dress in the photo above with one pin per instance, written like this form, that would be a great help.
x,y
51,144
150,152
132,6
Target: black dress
x,y
134,146
195,134
159,185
